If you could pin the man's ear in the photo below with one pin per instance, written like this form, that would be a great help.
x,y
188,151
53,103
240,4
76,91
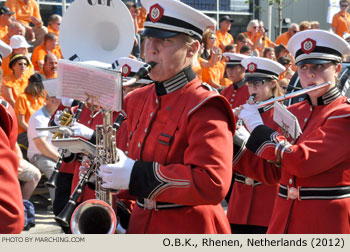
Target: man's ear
x,y
193,49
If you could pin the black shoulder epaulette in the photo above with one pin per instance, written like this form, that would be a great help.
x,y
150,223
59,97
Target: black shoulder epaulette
x,y
209,87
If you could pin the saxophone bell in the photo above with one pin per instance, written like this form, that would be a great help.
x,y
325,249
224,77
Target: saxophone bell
x,y
93,217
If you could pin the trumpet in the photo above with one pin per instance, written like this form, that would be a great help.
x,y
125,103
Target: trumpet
x,y
65,120
53,179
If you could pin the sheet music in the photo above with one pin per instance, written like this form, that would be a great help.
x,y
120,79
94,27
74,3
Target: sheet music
x,y
89,83
286,120
75,145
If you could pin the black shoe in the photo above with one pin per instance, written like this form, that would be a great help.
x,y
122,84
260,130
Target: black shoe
x,y
29,226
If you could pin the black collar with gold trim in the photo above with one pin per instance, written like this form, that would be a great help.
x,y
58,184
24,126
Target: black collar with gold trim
x,y
176,82
327,98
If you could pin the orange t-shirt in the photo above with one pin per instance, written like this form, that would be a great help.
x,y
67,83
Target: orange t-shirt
x,y
15,84
225,38
3,31
341,23
22,11
283,39
141,18
214,73
49,29
6,39
8,71
26,105
40,52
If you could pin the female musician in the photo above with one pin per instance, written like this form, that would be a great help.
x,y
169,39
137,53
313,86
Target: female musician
x,y
313,169
251,202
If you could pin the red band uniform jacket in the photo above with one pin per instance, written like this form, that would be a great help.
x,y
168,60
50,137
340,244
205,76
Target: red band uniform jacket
x,y
236,94
182,136
11,204
252,204
319,158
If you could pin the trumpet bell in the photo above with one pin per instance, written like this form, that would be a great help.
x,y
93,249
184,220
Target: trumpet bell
x,y
94,217
96,30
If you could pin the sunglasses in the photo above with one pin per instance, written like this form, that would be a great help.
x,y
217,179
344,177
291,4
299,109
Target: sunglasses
x,y
344,5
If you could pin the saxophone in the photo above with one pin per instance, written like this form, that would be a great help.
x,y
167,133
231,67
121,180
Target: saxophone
x,y
96,216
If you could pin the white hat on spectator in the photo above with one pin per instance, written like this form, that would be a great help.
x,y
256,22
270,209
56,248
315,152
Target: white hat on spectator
x,y
261,68
317,47
168,18
18,41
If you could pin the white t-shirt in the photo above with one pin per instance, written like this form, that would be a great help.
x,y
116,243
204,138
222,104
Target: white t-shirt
x,y
39,119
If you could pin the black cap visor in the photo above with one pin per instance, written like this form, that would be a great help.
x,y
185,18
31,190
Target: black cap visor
x,y
253,78
314,61
158,33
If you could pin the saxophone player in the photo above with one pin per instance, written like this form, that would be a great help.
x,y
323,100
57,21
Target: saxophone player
x,y
180,144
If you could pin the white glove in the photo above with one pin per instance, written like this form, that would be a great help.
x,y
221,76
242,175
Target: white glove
x,y
67,102
242,133
57,117
82,130
251,116
117,176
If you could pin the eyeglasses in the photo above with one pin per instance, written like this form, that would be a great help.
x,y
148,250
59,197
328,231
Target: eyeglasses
x,y
295,31
255,83
22,64
213,38
344,5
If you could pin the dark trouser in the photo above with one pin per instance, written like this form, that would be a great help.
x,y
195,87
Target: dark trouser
x,y
62,194
247,229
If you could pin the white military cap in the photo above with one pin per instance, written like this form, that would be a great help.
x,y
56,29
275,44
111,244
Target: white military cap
x,y
317,47
233,59
5,50
129,67
261,68
168,18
